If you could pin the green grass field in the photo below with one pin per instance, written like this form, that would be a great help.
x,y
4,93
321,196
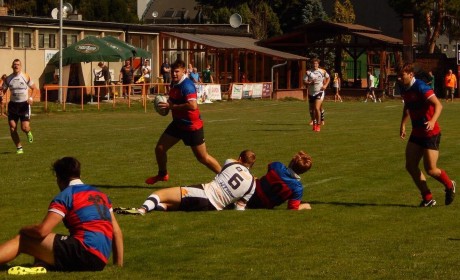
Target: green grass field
x,y
365,223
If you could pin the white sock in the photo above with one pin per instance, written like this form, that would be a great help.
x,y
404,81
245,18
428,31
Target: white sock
x,y
151,202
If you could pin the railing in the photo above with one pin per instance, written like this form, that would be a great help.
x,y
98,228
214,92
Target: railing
x,y
110,91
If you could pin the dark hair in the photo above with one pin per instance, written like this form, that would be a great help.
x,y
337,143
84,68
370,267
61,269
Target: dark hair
x,y
315,60
67,168
178,64
407,68
247,158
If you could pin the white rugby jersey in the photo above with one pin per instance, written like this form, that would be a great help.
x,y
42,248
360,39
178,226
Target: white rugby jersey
x,y
317,76
19,86
233,183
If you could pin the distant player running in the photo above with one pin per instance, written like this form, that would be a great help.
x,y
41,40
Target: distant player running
x,y
423,108
234,184
19,106
317,80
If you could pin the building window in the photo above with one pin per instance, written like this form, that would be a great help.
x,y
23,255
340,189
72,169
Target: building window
x,y
2,39
73,39
64,41
27,40
16,41
41,41
52,41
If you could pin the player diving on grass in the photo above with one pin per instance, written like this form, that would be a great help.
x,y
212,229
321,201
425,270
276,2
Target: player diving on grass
x,y
282,183
233,185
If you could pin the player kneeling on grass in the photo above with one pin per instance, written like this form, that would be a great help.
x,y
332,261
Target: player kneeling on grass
x,y
87,214
282,183
234,184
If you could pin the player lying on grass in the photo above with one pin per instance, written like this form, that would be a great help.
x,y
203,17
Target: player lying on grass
x,y
87,214
234,184
282,183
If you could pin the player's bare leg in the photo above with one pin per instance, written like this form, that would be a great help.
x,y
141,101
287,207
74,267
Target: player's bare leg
x,y
202,156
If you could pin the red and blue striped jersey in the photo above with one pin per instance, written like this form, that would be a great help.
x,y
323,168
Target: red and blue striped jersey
x,y
181,93
278,185
420,111
86,213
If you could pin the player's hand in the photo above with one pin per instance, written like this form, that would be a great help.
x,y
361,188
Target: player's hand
x,y
429,125
402,132
305,206
164,105
30,101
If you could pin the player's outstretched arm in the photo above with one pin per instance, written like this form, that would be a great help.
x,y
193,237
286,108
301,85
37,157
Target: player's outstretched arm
x,y
117,242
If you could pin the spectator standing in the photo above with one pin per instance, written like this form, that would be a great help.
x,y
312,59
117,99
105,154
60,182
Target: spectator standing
x,y
126,77
189,69
195,76
105,73
336,85
166,72
450,83
146,70
19,106
207,75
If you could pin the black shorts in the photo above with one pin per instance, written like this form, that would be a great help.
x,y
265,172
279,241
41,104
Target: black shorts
x,y
70,255
190,138
19,111
430,143
318,96
166,78
193,198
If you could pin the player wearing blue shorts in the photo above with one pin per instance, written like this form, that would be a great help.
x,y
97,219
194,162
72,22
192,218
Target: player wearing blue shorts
x,y
423,108
186,125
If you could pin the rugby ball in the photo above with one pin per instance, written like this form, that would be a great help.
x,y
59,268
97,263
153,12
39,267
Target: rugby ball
x,y
160,99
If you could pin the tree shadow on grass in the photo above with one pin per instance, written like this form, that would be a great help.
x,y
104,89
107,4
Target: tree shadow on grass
x,y
360,204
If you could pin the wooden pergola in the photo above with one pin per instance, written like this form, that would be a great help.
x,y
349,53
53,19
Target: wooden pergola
x,y
353,39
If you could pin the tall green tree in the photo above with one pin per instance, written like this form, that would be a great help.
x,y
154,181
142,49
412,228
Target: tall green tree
x,y
260,16
344,12
313,10
433,17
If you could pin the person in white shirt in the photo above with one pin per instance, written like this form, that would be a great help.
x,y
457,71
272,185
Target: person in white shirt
x,y
317,80
370,87
233,185
146,69
19,84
